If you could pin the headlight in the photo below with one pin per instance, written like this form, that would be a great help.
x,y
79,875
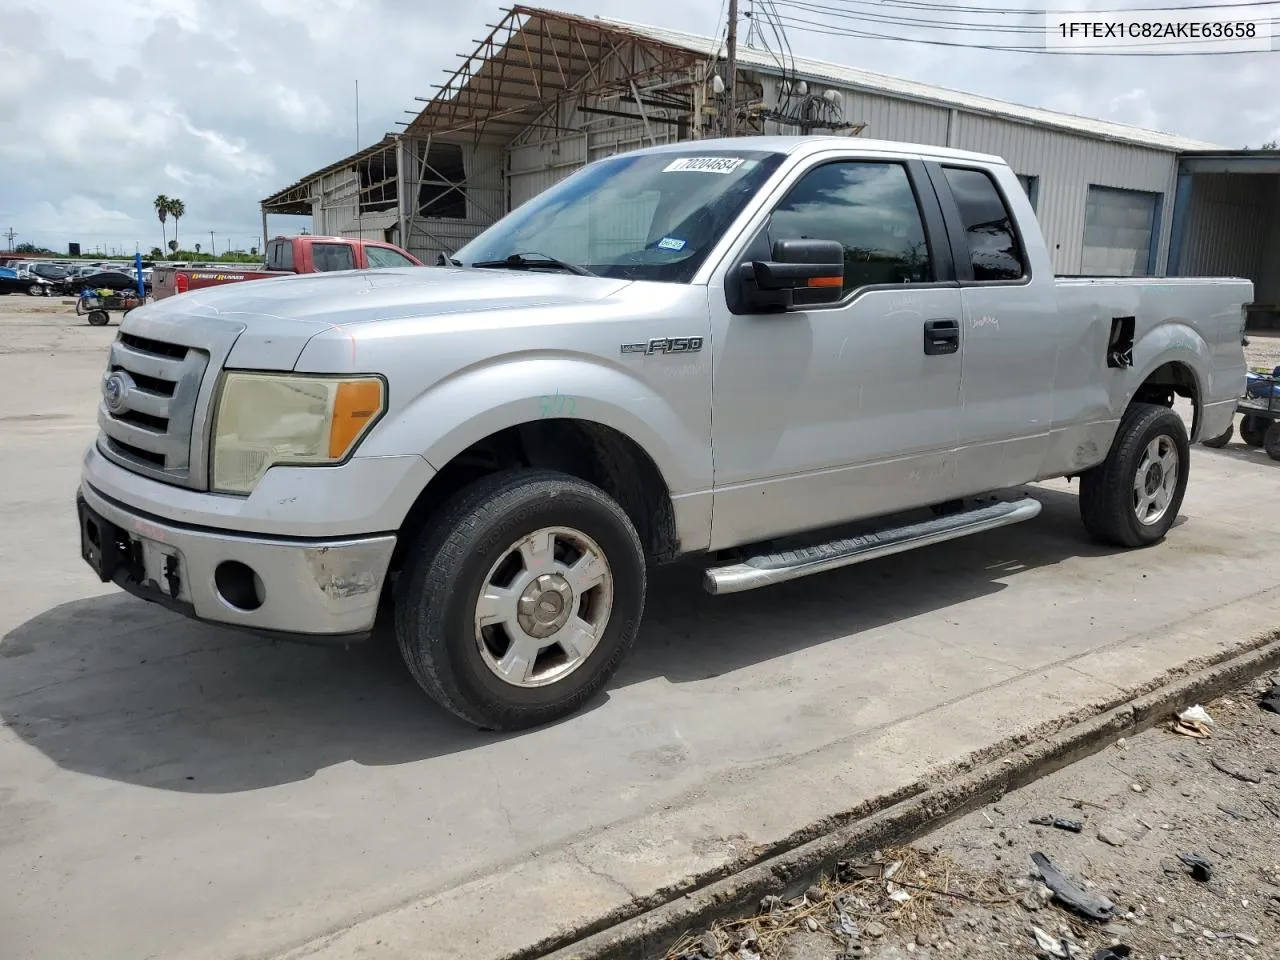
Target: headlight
x,y
268,419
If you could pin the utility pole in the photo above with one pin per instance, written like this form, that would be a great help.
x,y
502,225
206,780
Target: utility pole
x,y
359,205
212,249
731,83
10,235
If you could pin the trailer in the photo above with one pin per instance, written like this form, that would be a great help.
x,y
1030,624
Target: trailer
x,y
1260,408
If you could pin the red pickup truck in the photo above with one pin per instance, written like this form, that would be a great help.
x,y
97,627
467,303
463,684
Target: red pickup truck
x,y
285,255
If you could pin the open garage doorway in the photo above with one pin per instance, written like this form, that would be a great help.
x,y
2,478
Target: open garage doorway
x,y
1226,222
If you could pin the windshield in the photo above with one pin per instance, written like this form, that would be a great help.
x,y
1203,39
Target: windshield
x,y
647,216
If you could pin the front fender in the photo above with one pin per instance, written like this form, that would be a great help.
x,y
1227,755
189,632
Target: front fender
x,y
476,402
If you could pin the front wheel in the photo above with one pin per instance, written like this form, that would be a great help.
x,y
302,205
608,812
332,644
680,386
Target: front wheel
x,y
520,599
1132,498
35,290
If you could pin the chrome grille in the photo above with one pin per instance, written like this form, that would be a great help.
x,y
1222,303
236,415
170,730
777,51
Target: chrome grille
x,y
148,412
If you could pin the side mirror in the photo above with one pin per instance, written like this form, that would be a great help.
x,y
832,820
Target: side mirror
x,y
802,273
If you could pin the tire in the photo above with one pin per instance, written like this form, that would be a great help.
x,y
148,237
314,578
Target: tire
x,y
98,318
35,290
1271,441
1222,439
1150,441
1253,431
474,543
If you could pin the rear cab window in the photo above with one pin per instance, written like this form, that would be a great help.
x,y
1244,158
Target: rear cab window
x,y
995,250
326,257
280,255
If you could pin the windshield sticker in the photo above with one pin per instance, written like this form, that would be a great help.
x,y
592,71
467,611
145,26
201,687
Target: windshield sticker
x,y
704,165
671,243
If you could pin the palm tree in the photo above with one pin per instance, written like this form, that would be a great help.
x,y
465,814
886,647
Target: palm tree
x,y
197,248
161,203
178,210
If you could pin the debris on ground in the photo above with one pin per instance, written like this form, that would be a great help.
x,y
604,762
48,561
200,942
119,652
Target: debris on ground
x,y
1058,823
1093,906
902,891
1182,867
1194,722
1271,699
1201,869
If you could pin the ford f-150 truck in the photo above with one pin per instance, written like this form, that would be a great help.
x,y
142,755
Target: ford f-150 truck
x,y
770,356
285,256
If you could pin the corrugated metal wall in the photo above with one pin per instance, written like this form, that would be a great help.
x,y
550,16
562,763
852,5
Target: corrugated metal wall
x,y
486,203
885,117
1067,165
1232,230
335,207
1267,283
536,166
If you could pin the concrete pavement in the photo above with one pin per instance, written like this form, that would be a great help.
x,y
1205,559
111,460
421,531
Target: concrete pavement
x,y
171,789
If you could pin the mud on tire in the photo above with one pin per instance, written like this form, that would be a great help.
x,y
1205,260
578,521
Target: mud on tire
x,y
507,550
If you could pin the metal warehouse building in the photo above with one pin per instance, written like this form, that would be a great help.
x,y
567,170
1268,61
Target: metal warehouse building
x,y
546,92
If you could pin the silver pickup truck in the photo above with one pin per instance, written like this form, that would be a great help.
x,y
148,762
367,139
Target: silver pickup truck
x,y
772,356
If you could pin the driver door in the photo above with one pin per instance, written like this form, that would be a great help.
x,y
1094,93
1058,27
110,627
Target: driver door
x,y
836,413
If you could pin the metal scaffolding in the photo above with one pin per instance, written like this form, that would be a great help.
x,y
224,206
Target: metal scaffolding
x,y
538,77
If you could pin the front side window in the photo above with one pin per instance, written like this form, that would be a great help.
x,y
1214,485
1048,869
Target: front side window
x,y
870,208
332,256
647,216
993,245
386,257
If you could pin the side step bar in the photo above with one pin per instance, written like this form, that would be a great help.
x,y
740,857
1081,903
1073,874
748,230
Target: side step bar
x,y
767,569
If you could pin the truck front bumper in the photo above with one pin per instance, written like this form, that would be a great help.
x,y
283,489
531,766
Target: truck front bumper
x,y
319,588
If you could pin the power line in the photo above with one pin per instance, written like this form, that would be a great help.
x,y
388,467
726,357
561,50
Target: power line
x,y
927,23
915,23
1040,11
1122,50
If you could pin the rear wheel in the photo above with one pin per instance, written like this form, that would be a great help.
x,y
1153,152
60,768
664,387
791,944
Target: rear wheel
x,y
1253,431
1271,441
98,318
1222,439
520,599
1132,498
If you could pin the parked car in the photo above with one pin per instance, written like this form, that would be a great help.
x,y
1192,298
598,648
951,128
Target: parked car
x,y
13,281
728,351
110,280
284,256
57,277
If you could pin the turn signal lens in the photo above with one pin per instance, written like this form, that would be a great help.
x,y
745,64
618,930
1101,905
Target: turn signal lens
x,y
355,405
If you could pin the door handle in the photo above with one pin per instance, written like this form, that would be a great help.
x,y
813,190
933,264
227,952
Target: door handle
x,y
941,337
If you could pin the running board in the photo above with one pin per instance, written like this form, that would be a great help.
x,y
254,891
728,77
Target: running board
x,y
767,569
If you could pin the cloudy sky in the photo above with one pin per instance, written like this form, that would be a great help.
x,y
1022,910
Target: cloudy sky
x,y
103,106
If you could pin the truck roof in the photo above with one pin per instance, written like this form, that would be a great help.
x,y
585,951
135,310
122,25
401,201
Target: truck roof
x,y
815,144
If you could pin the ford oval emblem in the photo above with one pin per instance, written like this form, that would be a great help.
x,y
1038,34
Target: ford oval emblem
x,y
114,388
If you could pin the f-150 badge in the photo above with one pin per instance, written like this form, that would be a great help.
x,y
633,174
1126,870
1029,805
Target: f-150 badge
x,y
665,345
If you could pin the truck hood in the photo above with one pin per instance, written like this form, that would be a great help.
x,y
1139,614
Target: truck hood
x,y
273,319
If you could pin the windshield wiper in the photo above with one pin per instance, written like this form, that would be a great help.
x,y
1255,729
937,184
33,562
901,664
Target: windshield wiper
x,y
530,261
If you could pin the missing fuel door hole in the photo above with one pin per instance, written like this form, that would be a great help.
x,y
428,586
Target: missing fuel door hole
x,y
1120,344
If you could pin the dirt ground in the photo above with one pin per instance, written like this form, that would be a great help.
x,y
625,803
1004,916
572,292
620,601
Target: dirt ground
x,y
971,890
